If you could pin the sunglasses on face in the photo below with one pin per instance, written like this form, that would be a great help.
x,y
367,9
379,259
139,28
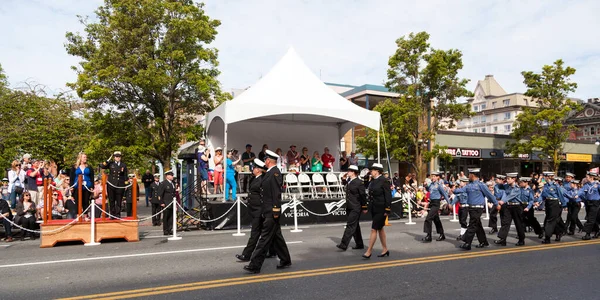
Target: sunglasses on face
x,y
54,194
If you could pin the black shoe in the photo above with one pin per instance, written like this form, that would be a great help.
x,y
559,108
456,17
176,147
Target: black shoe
x,y
466,246
571,233
269,255
426,239
458,238
367,257
358,247
482,245
500,242
441,238
586,237
241,257
494,230
284,265
540,236
580,230
339,246
546,241
251,270
387,253
520,243
557,239
597,235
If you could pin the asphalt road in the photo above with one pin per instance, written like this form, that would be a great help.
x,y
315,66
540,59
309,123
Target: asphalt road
x,y
202,266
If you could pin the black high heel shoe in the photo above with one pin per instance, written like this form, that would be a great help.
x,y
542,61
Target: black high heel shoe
x,y
387,253
367,257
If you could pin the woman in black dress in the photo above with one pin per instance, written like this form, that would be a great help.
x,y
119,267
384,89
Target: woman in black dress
x,y
380,204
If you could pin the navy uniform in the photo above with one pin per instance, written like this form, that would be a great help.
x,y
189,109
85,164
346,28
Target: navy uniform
x,y
255,211
499,193
592,195
463,210
569,177
554,201
529,201
117,175
574,206
436,192
271,185
129,196
154,200
513,213
356,202
477,192
166,195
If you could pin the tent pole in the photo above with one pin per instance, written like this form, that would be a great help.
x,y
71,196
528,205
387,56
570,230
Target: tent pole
x,y
225,165
378,149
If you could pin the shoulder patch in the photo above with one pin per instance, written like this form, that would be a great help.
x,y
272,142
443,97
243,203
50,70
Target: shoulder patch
x,y
276,174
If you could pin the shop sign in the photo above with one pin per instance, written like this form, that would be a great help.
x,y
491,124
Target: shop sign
x,y
464,152
521,156
579,157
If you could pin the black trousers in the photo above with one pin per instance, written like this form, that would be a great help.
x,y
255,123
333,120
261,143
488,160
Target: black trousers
x,y
493,222
254,238
592,216
271,233
155,209
554,224
573,216
168,220
512,214
433,216
529,219
475,227
463,213
115,197
28,223
352,230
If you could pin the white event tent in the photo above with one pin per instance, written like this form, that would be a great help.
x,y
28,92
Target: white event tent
x,y
290,105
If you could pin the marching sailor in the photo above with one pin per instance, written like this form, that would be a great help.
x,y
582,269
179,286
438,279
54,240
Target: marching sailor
x,y
554,200
592,195
499,192
513,213
463,211
529,201
574,206
437,191
356,202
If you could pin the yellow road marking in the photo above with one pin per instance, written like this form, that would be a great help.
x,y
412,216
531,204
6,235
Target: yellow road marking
x,y
324,271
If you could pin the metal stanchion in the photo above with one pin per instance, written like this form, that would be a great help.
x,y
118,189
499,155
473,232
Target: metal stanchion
x,y
239,218
454,219
295,215
410,222
174,237
487,212
93,227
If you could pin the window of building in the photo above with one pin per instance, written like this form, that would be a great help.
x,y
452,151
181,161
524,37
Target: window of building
x,y
475,120
495,129
585,131
507,116
483,119
476,108
495,116
526,102
592,130
507,128
483,106
494,104
474,130
506,102
483,130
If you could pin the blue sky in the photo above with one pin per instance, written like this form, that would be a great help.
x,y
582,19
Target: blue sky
x,y
345,41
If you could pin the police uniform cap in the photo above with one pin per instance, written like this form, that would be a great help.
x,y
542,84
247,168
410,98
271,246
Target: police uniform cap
x,y
377,166
353,168
570,174
272,155
117,153
512,175
499,176
259,163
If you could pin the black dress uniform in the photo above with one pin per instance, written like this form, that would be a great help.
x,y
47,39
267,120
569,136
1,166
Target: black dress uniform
x,y
271,230
255,212
356,202
116,177
380,201
129,197
166,195
155,203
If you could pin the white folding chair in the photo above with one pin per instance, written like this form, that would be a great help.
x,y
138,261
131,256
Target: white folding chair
x,y
319,186
291,184
334,186
304,183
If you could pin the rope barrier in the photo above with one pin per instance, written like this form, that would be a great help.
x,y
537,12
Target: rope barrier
x,y
138,220
207,221
54,230
319,215
119,187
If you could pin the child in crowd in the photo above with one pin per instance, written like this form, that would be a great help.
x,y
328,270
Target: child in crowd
x,y
4,189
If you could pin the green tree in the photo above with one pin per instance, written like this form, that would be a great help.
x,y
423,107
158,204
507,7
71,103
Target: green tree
x,y
429,87
542,128
149,63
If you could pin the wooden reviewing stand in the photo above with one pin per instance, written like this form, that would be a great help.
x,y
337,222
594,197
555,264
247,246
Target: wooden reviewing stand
x,y
106,228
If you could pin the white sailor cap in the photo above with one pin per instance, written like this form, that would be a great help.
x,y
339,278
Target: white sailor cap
x,y
169,172
353,168
557,178
575,181
259,163
570,174
377,166
464,179
512,175
525,179
117,153
157,175
500,176
436,173
272,155
475,170
548,173
592,173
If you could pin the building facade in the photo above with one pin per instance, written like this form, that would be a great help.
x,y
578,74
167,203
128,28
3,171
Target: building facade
x,y
495,110
587,122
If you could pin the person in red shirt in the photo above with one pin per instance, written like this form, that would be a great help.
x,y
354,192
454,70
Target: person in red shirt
x,y
328,160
